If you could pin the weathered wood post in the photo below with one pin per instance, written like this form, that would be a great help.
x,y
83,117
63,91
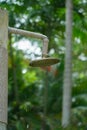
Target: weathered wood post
x,y
3,68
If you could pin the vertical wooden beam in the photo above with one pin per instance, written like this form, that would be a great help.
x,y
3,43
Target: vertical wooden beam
x,y
67,84
3,68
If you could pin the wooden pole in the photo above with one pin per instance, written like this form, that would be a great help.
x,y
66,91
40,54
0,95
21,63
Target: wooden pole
x,y
67,85
3,68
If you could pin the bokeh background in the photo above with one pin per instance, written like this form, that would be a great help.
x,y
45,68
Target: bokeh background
x,y
35,94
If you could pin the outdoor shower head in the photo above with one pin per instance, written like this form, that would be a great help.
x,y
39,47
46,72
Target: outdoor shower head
x,y
43,62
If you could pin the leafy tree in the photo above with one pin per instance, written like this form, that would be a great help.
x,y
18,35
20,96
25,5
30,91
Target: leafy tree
x,y
26,107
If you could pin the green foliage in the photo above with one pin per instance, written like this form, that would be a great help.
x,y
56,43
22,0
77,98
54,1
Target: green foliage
x,y
35,96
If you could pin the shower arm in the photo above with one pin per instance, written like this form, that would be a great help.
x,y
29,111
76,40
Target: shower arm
x,y
33,35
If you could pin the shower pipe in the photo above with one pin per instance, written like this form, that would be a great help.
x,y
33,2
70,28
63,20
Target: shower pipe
x,y
33,35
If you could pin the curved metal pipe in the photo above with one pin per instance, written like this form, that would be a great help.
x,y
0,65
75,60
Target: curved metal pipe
x,y
34,35
26,33
41,62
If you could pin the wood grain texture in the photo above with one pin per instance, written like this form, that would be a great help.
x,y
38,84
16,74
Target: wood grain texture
x,y
3,68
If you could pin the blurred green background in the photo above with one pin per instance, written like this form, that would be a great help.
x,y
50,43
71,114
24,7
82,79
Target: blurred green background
x,y
35,94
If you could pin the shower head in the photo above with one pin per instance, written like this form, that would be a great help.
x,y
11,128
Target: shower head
x,y
43,62
40,62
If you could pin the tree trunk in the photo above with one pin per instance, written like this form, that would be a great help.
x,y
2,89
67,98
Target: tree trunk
x,y
45,97
67,85
3,68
